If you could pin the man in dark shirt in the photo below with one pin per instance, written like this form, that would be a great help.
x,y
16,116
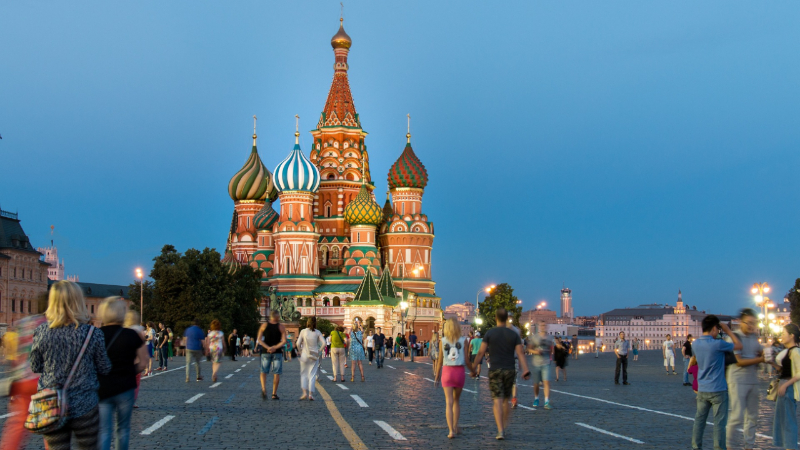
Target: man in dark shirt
x,y
162,339
687,355
412,339
194,348
232,338
502,343
379,339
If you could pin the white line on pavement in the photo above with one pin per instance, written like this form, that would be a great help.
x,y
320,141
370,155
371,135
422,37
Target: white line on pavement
x,y
599,430
322,371
330,377
526,407
162,373
238,370
622,404
4,416
157,425
360,402
193,399
215,384
245,365
428,379
344,388
470,391
410,373
228,376
390,367
392,432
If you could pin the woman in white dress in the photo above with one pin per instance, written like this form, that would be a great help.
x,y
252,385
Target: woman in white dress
x,y
310,344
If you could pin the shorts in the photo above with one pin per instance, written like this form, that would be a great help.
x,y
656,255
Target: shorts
x,y
669,360
540,373
272,363
501,382
453,376
245,347
472,359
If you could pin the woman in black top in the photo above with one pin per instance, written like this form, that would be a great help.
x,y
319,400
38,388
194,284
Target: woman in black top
x,y
128,354
560,354
784,427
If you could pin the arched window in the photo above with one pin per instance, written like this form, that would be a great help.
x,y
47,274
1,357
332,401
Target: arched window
x,y
327,209
308,302
350,177
336,301
299,302
326,302
331,176
335,253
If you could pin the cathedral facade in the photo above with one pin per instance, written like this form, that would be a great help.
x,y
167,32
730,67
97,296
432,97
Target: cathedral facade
x,y
331,250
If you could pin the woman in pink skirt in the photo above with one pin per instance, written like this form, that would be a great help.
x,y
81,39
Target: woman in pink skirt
x,y
452,351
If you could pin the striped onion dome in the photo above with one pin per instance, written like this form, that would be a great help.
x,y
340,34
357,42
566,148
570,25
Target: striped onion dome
x,y
408,171
363,210
230,262
253,181
297,173
266,217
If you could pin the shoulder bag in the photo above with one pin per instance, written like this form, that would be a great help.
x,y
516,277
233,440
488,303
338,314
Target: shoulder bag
x,y
311,350
48,408
772,390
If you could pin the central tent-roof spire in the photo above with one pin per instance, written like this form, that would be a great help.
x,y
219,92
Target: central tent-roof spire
x,y
340,111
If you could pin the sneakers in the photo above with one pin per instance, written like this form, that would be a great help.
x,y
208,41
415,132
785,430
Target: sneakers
x,y
514,402
625,383
536,403
547,405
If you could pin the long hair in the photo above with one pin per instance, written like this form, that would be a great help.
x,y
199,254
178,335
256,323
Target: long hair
x,y
215,325
451,330
312,323
66,305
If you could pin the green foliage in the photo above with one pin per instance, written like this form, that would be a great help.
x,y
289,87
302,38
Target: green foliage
x,y
323,325
196,285
794,301
501,297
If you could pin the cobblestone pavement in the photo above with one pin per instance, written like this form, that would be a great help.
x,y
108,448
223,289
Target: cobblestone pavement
x,y
398,407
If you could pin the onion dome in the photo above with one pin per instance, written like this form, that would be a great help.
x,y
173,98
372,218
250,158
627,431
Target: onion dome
x,y
265,218
230,262
363,210
253,181
408,170
296,172
341,39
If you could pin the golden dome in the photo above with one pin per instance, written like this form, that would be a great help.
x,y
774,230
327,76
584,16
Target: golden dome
x,y
363,210
341,39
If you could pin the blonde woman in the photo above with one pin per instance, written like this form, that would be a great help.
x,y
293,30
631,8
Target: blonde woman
x,y
452,359
118,389
56,345
216,347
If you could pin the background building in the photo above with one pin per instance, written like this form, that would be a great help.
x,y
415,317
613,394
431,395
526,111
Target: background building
x,y
566,305
463,311
329,234
23,275
56,270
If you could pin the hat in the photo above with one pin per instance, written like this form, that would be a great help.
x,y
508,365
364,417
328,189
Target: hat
x,y
477,334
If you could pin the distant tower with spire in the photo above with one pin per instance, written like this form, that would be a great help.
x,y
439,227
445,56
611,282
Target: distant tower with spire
x,y
56,270
566,304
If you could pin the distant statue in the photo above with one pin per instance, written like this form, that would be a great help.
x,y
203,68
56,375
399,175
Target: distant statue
x,y
274,303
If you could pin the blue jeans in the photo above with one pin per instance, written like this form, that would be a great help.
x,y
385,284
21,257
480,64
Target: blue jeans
x,y
162,357
272,363
784,427
708,401
379,355
122,404
686,366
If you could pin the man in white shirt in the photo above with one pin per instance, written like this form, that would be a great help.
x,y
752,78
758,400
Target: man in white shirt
x,y
370,346
668,350
598,343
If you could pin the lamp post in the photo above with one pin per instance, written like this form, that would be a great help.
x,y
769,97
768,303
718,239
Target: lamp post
x,y
140,276
403,308
478,322
758,290
487,289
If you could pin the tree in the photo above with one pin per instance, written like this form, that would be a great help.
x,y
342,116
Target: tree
x,y
794,301
196,285
325,326
501,297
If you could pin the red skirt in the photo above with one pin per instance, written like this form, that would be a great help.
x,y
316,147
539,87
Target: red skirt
x,y
453,376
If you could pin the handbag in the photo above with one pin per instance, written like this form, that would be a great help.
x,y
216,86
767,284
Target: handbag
x,y
48,408
311,351
772,390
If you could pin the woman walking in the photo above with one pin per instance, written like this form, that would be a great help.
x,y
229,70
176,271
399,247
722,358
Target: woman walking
x,y
150,337
452,355
560,355
170,347
403,344
338,354
118,389
784,427
216,347
434,352
357,353
56,347
310,344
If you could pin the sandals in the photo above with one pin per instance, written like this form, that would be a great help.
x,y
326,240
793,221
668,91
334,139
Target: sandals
x,y
352,378
263,394
275,397
362,378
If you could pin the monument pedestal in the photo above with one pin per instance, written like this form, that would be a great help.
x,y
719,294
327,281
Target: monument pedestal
x,y
292,332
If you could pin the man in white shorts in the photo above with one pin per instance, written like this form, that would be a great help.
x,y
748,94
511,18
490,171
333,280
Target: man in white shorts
x,y
542,347
668,349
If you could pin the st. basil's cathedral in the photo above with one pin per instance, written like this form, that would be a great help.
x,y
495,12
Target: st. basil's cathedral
x,y
331,250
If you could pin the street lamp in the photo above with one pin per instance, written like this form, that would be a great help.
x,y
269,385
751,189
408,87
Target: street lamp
x,y
140,276
487,289
403,309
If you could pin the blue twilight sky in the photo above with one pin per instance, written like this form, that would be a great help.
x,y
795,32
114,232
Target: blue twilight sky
x,y
628,149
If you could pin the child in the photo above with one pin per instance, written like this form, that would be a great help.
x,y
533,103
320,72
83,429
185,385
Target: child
x,y
693,368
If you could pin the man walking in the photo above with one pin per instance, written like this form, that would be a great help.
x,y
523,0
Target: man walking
x,y
379,342
412,340
668,351
475,345
686,350
233,340
274,334
502,343
621,349
598,344
542,347
712,391
162,339
511,326
743,380
575,346
194,347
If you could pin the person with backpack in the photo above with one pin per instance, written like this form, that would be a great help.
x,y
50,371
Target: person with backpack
x,y
310,344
